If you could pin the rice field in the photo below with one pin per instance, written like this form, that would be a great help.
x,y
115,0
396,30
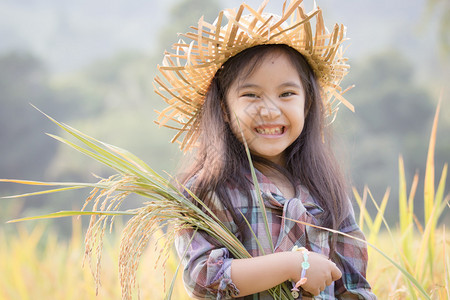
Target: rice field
x,y
37,264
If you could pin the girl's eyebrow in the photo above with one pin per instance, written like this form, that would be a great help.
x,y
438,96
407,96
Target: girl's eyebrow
x,y
247,85
291,84
285,84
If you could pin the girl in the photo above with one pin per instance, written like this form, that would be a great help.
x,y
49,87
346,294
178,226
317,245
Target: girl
x,y
270,85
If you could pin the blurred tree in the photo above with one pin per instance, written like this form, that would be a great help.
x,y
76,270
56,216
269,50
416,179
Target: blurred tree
x,y
393,115
123,80
24,80
395,103
186,13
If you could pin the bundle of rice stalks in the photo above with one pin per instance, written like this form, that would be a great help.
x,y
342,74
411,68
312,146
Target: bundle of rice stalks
x,y
167,208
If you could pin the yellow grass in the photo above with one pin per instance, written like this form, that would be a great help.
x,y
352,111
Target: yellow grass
x,y
37,264
386,280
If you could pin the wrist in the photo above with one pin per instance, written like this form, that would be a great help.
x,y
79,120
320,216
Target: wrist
x,y
304,266
295,265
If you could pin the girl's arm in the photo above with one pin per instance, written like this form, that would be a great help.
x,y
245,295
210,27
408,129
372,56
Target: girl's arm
x,y
254,275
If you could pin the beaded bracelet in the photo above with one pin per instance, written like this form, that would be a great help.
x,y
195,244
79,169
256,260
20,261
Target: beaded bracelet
x,y
305,266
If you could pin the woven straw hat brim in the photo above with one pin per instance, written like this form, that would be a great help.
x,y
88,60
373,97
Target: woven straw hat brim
x,y
186,73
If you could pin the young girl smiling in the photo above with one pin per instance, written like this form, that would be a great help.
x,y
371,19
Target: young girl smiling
x,y
260,82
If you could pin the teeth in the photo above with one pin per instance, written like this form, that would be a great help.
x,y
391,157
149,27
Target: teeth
x,y
275,130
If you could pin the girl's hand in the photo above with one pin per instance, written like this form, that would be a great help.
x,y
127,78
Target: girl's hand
x,y
321,273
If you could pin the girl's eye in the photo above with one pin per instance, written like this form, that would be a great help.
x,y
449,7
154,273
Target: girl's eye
x,y
250,95
287,94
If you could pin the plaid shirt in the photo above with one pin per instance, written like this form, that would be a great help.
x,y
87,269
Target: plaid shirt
x,y
207,272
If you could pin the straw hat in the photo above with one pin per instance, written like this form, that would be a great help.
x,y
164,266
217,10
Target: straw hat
x,y
187,72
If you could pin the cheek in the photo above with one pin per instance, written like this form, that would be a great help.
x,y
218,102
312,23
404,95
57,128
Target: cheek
x,y
241,124
238,111
297,117
238,125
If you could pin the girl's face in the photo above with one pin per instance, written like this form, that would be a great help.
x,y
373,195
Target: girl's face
x,y
269,104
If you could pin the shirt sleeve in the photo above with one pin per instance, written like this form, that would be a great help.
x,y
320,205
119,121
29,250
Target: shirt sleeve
x,y
351,256
207,271
207,264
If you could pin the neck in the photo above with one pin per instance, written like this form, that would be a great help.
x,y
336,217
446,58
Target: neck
x,y
279,179
269,171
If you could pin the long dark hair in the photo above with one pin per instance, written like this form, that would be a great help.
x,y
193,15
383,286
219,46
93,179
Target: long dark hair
x,y
220,158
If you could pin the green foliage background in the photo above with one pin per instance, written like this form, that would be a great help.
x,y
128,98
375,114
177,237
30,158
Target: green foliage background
x,y
398,72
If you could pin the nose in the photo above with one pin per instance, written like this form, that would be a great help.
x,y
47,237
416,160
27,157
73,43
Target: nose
x,y
269,110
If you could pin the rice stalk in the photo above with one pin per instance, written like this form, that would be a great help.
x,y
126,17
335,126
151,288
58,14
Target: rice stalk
x,y
364,215
406,210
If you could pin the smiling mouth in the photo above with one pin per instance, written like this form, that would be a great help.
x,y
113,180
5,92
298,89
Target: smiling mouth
x,y
270,131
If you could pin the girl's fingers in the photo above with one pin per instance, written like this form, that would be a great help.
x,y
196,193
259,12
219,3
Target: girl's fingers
x,y
335,273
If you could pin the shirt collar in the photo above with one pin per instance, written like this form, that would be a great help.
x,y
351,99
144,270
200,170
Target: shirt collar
x,y
274,198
